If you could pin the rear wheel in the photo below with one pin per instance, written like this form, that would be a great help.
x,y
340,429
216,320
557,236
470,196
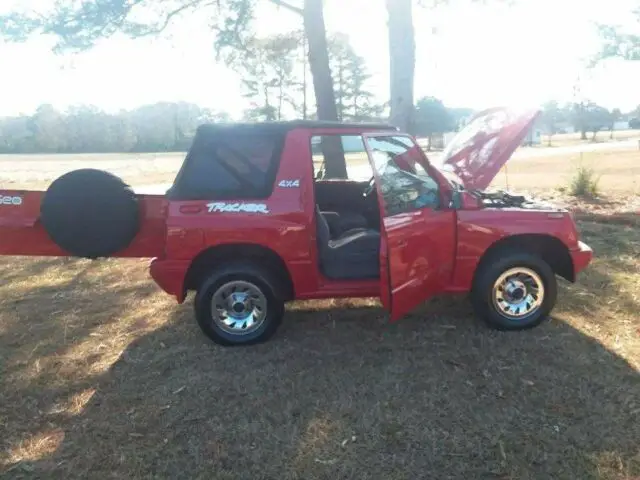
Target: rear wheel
x,y
514,291
238,305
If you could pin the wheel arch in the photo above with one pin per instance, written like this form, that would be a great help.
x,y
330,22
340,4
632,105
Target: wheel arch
x,y
220,255
551,249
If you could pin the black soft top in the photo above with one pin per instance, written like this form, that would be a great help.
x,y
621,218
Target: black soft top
x,y
240,160
212,129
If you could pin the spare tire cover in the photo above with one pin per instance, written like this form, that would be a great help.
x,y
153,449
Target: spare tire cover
x,y
90,213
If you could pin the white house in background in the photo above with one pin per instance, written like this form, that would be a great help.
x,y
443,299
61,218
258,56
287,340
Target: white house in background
x,y
438,140
621,125
534,136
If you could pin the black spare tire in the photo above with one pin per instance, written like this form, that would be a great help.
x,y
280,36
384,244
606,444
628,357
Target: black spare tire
x,y
90,213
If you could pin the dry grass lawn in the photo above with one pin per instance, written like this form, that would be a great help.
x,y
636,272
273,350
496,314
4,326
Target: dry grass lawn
x,y
103,376
618,172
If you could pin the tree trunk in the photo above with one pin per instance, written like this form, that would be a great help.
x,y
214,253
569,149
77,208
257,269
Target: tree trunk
x,y
268,111
402,55
304,77
583,134
315,31
340,93
319,60
334,160
280,99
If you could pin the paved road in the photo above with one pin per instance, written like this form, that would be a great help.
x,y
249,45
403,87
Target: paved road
x,y
537,152
532,152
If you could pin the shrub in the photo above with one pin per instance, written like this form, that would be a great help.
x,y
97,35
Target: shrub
x,y
584,183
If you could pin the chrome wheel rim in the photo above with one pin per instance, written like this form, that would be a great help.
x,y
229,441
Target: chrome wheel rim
x,y
239,307
518,293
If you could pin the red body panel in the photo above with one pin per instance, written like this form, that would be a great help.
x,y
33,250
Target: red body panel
x,y
21,232
480,229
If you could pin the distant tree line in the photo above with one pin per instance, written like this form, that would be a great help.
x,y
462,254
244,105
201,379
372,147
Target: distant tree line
x,y
87,129
170,126
584,117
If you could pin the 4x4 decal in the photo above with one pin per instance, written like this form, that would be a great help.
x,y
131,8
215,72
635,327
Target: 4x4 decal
x,y
289,184
223,207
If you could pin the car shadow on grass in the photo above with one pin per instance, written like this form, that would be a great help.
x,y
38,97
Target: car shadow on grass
x,y
339,393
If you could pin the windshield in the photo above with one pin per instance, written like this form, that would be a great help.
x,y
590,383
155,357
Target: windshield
x,y
402,152
404,181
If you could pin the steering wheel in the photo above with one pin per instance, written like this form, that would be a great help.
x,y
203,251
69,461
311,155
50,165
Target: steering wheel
x,y
371,186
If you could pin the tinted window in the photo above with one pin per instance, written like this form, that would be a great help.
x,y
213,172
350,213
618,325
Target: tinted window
x,y
405,184
227,166
348,150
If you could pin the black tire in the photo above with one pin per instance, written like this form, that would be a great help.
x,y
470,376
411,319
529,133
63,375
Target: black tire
x,y
489,272
90,213
239,272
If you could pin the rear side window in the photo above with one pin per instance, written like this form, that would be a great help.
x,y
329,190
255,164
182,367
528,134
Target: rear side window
x,y
230,167
350,150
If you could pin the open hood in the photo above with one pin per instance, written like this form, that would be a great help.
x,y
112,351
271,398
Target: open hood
x,y
484,145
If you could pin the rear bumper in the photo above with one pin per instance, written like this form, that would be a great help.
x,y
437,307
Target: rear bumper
x,y
581,257
170,276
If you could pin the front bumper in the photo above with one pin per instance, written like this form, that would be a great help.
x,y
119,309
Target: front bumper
x,y
581,257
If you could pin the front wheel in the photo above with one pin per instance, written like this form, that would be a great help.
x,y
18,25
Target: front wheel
x,y
514,291
238,305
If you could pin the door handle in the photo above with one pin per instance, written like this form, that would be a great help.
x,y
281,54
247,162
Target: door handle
x,y
190,209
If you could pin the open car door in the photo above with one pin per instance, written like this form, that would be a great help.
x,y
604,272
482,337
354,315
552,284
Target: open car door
x,y
417,233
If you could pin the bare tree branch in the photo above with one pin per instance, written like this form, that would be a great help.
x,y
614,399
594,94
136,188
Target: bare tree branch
x,y
170,15
288,6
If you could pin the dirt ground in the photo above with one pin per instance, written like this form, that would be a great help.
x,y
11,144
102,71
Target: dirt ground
x,y
103,376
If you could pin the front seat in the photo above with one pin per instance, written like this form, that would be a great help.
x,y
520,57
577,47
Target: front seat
x,y
341,222
354,254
